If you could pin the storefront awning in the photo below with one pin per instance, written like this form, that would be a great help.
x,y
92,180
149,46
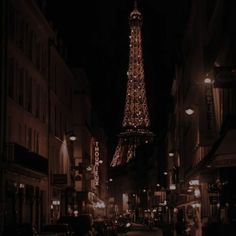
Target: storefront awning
x,y
222,154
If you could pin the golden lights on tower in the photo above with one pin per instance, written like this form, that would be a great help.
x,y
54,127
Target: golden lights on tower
x,y
136,121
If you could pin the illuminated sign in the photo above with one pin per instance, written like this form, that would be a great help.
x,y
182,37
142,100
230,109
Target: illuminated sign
x,y
55,202
194,182
96,157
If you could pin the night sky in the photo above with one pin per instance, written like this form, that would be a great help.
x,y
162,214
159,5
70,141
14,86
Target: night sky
x,y
97,37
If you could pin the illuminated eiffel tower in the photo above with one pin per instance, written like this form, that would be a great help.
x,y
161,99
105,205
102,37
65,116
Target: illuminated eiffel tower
x,y
136,123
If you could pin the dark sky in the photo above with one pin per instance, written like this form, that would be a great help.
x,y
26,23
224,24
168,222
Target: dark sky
x,y
97,37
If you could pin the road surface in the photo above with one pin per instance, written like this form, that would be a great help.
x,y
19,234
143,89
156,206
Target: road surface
x,y
140,230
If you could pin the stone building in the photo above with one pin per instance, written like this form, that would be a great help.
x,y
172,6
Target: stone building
x,y
202,129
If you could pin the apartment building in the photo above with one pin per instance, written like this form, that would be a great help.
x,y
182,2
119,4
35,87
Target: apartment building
x,y
37,89
202,127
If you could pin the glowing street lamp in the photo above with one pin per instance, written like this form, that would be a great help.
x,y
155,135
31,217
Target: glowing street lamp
x,y
72,137
171,154
207,80
189,111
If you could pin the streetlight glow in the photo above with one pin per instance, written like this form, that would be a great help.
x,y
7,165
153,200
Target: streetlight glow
x,y
189,111
207,80
72,137
171,154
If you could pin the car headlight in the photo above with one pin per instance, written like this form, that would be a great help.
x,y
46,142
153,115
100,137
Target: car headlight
x,y
128,225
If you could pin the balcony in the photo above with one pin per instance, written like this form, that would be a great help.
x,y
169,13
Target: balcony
x,y
21,156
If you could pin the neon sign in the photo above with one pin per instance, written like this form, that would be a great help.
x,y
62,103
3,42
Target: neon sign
x,y
96,157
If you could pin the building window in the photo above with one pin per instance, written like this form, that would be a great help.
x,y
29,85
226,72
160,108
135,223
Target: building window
x,y
38,56
70,97
28,84
16,82
19,133
60,125
21,86
25,133
44,61
30,95
55,79
11,76
37,101
44,106
34,140
31,36
9,126
37,142
29,143
55,122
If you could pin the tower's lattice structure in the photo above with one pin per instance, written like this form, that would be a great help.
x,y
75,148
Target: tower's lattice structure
x,y
136,121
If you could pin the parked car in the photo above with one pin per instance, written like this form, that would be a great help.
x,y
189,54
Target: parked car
x,y
56,230
104,227
81,225
99,227
24,229
111,228
123,225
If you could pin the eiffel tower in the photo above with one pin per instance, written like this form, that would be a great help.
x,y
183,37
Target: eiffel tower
x,y
136,123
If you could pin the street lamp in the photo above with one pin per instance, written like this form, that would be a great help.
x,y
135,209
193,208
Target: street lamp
x,y
189,111
207,79
171,154
72,137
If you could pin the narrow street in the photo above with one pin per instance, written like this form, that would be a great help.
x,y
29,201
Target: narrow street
x,y
140,230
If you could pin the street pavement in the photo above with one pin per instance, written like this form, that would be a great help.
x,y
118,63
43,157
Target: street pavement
x,y
141,230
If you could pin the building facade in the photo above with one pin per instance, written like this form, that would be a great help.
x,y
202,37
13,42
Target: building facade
x,y
202,130
42,103
90,152
25,152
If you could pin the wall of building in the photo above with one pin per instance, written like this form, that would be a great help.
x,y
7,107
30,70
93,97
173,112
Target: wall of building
x,y
38,115
208,52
